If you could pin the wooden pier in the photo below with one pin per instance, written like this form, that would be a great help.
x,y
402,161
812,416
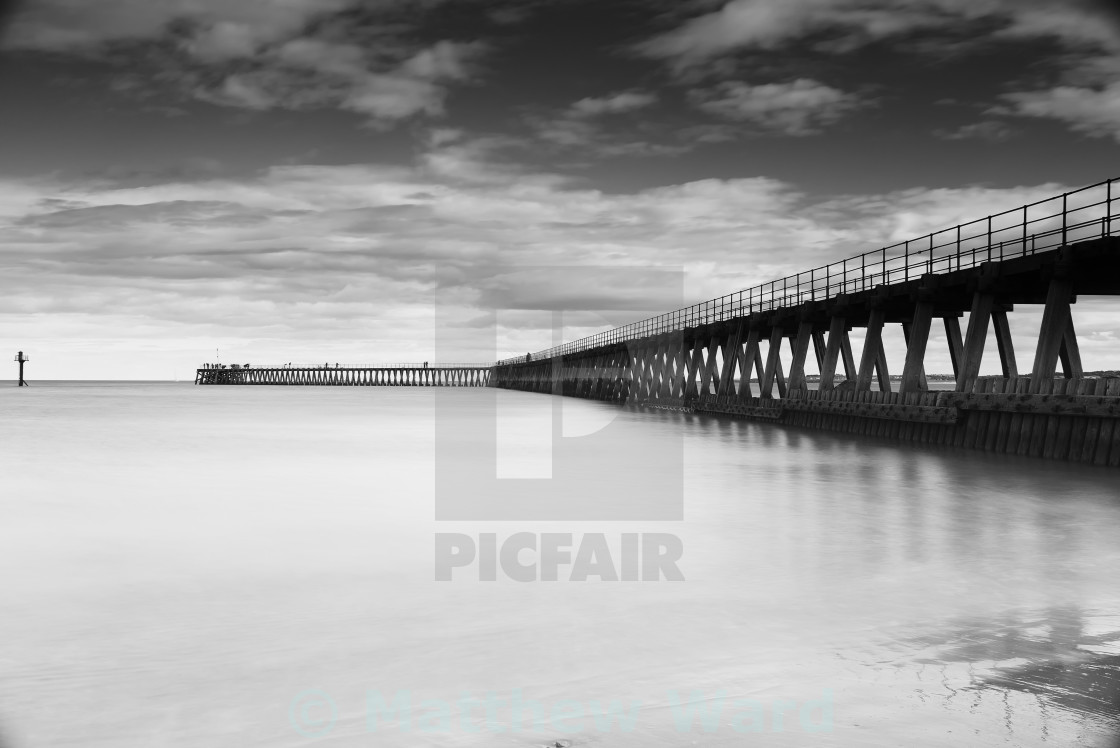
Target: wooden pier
x,y
384,375
724,356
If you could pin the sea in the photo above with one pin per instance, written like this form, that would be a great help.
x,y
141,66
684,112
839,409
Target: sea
x,y
243,567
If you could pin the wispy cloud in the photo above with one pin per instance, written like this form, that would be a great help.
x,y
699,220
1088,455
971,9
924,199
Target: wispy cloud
x,y
1092,111
611,125
800,107
992,131
615,103
846,24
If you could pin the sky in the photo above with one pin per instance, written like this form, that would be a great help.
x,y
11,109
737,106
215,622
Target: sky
x,y
274,181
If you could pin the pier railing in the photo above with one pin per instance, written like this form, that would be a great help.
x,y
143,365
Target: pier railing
x,y
1036,227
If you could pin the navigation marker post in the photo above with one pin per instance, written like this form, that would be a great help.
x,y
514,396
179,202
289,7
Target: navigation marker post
x,y
22,359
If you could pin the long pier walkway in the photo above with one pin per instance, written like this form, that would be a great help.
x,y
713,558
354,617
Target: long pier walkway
x,y
724,355
380,375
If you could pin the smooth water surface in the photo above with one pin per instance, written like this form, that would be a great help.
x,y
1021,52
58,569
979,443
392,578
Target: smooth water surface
x,y
203,567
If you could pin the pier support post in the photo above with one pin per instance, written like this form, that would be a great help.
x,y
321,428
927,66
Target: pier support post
x,y
780,378
956,345
731,356
1055,324
708,359
1070,354
847,357
800,352
639,371
974,340
773,361
656,372
653,369
694,362
680,368
669,377
1004,343
872,350
819,349
917,336
748,365
923,384
881,372
837,328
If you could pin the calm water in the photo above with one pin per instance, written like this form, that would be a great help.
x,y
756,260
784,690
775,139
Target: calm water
x,y
208,567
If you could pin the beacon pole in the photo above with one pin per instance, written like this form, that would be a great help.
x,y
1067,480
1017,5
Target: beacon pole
x,y
22,359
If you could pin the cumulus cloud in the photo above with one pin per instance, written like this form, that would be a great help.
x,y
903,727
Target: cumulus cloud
x,y
767,24
261,54
1093,111
800,107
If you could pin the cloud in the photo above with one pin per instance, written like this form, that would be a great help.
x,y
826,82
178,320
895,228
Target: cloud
x,y
1075,23
223,41
616,103
1092,111
846,24
915,212
738,24
1084,59
800,107
222,27
261,54
591,139
310,73
587,125
990,130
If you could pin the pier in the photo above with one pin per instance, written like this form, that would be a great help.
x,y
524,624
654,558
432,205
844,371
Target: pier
x,y
378,375
723,356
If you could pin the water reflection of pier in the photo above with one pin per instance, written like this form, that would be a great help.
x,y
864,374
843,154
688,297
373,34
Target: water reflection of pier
x,y
977,590
1068,662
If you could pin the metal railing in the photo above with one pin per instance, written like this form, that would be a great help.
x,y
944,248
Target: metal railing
x,y
334,366
1086,213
